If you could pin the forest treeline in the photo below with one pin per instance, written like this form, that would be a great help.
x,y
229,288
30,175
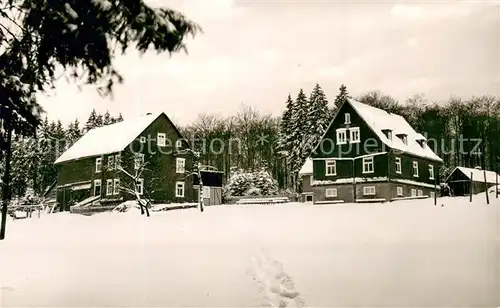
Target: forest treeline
x,y
462,131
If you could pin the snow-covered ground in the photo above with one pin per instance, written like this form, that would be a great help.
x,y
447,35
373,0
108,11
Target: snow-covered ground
x,y
406,253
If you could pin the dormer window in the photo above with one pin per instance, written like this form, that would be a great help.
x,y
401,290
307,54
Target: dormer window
x,y
420,140
347,118
403,138
387,133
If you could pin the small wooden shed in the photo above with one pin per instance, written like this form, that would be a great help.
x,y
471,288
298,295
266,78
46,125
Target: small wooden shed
x,y
305,178
460,180
212,187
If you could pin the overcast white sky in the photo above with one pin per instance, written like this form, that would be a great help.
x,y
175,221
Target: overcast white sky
x,y
256,52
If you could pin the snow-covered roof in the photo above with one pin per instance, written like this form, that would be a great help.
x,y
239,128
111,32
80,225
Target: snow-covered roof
x,y
477,174
380,120
108,139
307,168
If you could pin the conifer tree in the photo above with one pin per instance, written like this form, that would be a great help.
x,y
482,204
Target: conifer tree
x,y
342,96
74,133
107,119
317,120
120,118
298,126
99,121
285,126
92,121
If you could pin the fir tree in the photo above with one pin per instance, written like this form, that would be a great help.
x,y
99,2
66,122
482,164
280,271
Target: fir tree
x,y
298,126
92,121
45,149
342,96
20,167
99,121
317,120
285,126
120,118
74,133
107,119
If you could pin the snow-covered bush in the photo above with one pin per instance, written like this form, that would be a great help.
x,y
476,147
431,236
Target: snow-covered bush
x,y
238,183
253,191
257,183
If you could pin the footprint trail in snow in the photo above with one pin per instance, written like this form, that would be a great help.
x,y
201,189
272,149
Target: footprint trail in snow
x,y
275,284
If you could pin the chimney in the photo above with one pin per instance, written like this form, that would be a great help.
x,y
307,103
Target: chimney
x,y
478,167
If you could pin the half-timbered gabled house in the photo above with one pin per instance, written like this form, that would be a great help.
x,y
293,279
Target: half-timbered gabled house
x,y
368,154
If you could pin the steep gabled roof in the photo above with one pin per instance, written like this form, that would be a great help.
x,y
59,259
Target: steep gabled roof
x,y
108,139
477,174
307,168
379,120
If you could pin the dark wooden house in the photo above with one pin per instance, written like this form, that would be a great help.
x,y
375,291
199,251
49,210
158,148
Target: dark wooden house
x,y
368,154
459,180
90,167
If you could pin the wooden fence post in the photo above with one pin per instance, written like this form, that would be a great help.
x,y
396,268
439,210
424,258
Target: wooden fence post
x,y
486,186
435,191
496,185
470,188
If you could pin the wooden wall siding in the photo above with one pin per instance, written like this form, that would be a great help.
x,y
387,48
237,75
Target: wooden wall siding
x,y
76,171
460,184
162,162
382,190
344,168
407,168
306,184
344,192
163,166
325,149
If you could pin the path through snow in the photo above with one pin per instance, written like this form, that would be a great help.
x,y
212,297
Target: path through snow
x,y
276,286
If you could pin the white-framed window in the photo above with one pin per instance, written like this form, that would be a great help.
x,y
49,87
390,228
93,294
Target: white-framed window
x,y
368,164
431,172
140,186
420,193
179,189
433,195
116,187
355,138
369,190
180,165
398,165
111,162
413,192
142,139
98,164
399,191
330,167
97,187
415,169
178,144
109,187
118,158
161,139
139,160
331,192
341,136
347,118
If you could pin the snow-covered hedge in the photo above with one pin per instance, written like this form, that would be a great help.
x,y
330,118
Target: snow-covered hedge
x,y
257,183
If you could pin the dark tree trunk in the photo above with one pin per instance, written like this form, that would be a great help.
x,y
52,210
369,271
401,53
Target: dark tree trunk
x,y
6,177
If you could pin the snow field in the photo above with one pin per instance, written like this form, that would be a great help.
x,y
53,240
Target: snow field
x,y
405,253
